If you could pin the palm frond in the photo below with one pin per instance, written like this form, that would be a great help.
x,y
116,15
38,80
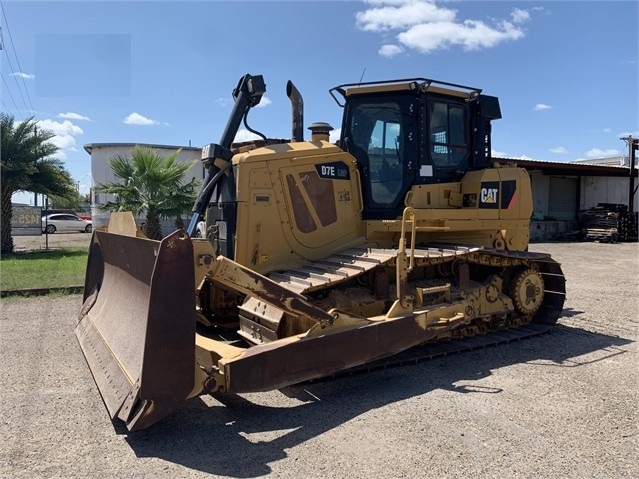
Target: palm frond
x,y
146,181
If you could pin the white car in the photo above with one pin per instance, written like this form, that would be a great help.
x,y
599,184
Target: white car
x,y
63,223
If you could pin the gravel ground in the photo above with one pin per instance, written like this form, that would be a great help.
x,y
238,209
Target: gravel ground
x,y
563,405
56,240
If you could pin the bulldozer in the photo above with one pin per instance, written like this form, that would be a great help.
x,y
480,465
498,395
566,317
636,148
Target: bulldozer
x,y
319,256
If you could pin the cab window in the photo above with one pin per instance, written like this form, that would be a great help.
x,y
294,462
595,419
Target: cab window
x,y
448,133
384,153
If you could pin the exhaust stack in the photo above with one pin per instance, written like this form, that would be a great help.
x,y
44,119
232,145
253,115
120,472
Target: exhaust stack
x,y
297,105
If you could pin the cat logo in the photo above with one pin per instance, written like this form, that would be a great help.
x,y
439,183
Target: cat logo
x,y
488,195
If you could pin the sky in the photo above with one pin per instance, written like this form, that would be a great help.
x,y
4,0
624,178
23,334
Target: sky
x,y
142,71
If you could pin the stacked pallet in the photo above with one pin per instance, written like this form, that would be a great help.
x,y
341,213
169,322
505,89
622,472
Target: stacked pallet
x,y
606,222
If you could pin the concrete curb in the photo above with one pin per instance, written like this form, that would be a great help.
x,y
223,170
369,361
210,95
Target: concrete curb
x,y
41,291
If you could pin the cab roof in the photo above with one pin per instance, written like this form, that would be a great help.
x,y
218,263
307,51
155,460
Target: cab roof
x,y
421,85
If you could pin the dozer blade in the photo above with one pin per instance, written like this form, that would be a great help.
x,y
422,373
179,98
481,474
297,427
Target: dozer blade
x,y
137,324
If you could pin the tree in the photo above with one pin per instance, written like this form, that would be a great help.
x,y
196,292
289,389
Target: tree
x,y
76,201
26,164
151,184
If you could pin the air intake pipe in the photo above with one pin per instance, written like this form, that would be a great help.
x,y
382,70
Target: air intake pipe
x,y
247,94
297,105
320,131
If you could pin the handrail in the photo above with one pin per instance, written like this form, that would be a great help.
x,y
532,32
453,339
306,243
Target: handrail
x,y
409,211
403,265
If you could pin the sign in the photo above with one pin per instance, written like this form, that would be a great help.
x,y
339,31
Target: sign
x,y
489,194
26,221
495,194
336,170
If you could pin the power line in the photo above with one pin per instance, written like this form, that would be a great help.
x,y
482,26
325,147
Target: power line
x,y
11,96
30,106
17,84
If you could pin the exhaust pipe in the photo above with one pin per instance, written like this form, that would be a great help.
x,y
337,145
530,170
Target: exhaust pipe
x,y
297,104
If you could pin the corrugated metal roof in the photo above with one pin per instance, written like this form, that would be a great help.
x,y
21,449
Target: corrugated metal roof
x,y
568,168
609,161
89,146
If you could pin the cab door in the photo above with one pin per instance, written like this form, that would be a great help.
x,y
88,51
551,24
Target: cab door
x,y
379,134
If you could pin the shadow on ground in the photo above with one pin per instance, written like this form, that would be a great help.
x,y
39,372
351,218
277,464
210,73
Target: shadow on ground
x,y
224,438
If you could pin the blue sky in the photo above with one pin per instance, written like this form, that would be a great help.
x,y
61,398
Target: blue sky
x,y
566,72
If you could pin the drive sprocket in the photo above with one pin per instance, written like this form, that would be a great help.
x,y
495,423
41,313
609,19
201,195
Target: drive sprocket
x,y
527,291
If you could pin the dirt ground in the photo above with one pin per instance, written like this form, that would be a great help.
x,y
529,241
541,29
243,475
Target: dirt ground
x,y
562,405
56,240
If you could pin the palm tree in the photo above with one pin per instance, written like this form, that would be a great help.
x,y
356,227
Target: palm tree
x,y
26,165
152,184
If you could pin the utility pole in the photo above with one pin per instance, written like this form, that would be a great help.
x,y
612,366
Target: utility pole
x,y
633,145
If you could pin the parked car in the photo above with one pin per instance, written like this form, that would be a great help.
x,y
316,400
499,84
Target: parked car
x,y
64,222
84,216
50,212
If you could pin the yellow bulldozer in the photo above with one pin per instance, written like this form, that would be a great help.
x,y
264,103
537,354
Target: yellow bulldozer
x,y
319,256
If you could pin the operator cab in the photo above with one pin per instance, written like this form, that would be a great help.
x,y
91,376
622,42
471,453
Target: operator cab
x,y
411,132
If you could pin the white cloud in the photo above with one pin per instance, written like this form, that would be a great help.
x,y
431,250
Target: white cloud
x,y
385,2
509,156
541,106
398,15
425,26
137,119
64,135
520,16
73,116
471,35
26,76
497,154
265,101
559,149
389,50
64,142
597,153
245,135
60,128
334,135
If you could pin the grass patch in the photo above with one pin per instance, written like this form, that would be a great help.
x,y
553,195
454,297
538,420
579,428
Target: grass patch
x,y
56,268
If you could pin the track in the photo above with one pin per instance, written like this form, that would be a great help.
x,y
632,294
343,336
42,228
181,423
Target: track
x,y
348,264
